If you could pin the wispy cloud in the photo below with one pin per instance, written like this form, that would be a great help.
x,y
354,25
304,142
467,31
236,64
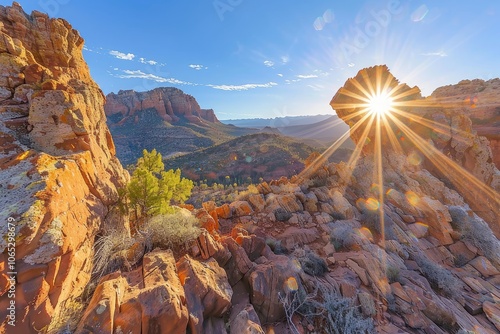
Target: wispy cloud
x,y
121,55
138,74
269,63
280,75
198,67
243,87
285,59
148,62
306,76
435,54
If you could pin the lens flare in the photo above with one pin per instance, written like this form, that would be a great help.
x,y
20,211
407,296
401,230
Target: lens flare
x,y
380,103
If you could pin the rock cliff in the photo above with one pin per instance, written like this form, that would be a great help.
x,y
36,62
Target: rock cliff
x,y
58,170
171,104
165,119
479,100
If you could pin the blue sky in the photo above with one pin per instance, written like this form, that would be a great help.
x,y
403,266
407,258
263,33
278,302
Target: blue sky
x,y
256,58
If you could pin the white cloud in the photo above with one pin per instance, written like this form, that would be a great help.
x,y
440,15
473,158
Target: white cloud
x,y
121,55
269,63
148,62
306,76
280,75
198,67
285,59
138,74
243,87
435,54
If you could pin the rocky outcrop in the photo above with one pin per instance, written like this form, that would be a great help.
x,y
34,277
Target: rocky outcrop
x,y
479,100
149,299
171,104
165,119
58,168
428,133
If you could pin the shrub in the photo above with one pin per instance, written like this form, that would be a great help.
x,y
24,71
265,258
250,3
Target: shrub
x,y
327,310
477,232
371,220
107,252
392,273
439,277
313,265
342,236
282,215
339,315
172,230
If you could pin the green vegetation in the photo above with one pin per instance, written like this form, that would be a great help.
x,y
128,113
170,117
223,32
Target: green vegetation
x,y
152,189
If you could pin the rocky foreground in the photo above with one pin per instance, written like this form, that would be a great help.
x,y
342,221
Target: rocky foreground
x,y
305,254
58,170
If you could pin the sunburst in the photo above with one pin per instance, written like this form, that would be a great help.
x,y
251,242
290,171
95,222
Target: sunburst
x,y
379,110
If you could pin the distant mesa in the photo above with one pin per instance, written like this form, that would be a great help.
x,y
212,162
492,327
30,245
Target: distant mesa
x,y
170,104
165,119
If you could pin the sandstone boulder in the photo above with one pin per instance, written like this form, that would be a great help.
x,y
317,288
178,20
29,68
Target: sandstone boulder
x,y
208,293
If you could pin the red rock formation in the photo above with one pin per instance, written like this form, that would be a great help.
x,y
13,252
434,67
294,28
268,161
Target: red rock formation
x,y
58,165
437,129
170,104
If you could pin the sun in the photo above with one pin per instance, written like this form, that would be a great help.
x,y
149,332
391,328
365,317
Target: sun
x,y
380,104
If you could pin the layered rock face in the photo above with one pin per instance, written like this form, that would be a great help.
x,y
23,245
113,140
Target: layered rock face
x,y
171,104
58,170
160,119
479,100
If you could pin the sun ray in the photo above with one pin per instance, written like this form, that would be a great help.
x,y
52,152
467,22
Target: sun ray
x,y
460,177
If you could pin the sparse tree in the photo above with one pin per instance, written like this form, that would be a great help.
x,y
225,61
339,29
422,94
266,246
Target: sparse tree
x,y
152,190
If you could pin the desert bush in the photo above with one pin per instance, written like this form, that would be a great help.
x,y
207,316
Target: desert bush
x,y
282,215
476,231
339,315
172,230
326,309
392,273
312,264
107,252
342,236
439,277
371,220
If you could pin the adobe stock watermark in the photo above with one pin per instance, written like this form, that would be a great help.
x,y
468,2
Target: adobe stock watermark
x,y
11,271
363,33
223,6
51,7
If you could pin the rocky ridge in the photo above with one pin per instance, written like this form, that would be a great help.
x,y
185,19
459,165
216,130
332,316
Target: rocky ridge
x,y
171,104
58,170
478,99
165,119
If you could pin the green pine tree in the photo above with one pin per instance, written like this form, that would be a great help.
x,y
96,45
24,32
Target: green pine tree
x,y
152,190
